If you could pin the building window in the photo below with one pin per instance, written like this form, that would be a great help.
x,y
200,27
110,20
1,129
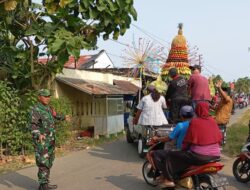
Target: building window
x,y
115,106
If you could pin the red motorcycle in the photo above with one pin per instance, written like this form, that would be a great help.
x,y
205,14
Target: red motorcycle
x,y
196,177
241,166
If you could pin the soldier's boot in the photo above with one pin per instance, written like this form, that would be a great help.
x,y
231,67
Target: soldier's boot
x,y
50,186
43,186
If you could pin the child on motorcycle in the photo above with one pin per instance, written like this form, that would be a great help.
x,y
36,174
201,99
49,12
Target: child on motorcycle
x,y
178,134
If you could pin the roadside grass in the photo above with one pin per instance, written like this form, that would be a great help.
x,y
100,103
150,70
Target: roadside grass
x,y
237,134
86,143
13,163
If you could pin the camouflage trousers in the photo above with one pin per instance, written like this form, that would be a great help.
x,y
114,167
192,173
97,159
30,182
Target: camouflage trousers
x,y
45,155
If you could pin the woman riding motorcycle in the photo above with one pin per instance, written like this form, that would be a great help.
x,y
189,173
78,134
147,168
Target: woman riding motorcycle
x,y
201,145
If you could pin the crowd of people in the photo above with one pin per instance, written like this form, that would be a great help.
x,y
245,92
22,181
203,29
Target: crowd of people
x,y
199,135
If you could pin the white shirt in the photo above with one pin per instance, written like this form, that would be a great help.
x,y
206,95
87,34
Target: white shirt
x,y
152,112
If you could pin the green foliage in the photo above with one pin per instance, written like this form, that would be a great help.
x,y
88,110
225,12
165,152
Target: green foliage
x,y
237,135
13,121
15,136
62,106
242,85
216,78
56,29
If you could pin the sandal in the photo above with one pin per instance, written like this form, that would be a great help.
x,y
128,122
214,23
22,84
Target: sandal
x,y
167,184
160,179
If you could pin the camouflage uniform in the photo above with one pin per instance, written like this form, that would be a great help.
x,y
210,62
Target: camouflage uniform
x,y
43,122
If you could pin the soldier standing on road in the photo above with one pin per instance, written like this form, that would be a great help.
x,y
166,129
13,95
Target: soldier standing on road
x,y
43,134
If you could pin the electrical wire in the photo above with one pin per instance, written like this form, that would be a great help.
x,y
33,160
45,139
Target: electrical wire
x,y
150,35
220,70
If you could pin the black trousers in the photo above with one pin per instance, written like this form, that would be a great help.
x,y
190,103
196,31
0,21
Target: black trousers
x,y
175,106
178,161
160,159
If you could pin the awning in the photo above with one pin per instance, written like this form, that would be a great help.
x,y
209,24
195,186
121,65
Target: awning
x,y
94,87
127,86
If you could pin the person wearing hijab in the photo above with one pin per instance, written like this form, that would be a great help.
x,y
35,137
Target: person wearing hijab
x,y
201,145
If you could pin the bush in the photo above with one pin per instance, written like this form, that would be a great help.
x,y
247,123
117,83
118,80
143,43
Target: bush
x,y
62,106
14,136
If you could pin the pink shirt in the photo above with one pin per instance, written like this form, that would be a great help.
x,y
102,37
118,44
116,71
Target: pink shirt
x,y
199,87
207,150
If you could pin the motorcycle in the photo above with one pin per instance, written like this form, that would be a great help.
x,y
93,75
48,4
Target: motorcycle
x,y
241,166
196,177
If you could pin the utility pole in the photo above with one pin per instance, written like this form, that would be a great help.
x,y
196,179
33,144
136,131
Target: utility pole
x,y
200,60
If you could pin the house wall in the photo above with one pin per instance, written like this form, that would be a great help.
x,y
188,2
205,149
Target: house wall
x,y
88,110
115,123
102,77
85,108
103,61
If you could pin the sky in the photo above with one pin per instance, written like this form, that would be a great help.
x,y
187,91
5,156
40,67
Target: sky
x,y
219,28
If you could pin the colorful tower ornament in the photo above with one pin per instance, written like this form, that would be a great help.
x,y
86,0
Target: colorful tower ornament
x,y
178,56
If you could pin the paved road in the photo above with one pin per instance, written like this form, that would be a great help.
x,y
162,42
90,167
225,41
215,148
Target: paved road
x,y
114,166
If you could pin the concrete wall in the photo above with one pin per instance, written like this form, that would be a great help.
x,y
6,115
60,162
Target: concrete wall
x,y
115,124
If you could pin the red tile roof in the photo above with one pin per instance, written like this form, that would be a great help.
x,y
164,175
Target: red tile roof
x,y
71,63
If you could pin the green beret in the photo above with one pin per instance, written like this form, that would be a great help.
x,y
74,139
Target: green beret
x,y
44,92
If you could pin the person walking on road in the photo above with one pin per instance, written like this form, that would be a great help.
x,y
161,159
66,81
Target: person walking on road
x,y
42,124
198,86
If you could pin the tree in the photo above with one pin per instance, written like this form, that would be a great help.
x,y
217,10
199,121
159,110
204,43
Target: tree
x,y
216,78
57,29
242,85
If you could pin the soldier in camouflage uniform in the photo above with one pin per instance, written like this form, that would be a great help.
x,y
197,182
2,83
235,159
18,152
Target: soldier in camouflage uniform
x,y
43,133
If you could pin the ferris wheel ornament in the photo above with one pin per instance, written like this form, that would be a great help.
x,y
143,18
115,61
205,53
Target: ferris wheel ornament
x,y
145,56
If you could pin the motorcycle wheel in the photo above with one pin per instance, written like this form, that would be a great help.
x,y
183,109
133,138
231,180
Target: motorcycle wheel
x,y
148,174
205,184
141,146
241,106
241,170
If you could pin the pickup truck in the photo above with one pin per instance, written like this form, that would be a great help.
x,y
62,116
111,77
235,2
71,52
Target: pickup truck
x,y
142,134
